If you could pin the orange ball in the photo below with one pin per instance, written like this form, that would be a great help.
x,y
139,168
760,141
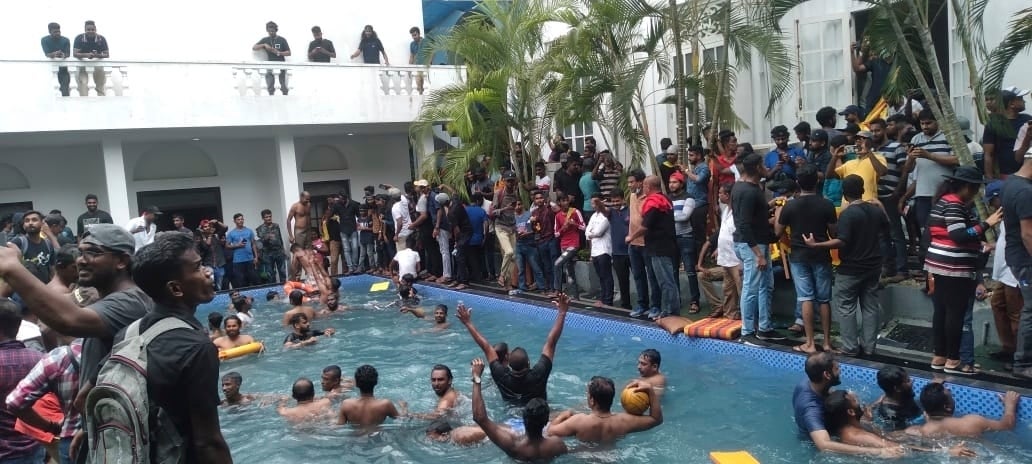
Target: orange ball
x,y
634,402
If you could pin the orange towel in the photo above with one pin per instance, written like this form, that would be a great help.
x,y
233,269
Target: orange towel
x,y
49,408
724,329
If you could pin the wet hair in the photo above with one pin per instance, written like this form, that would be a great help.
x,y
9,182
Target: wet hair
x,y
297,318
502,351
826,116
335,284
806,175
653,356
238,304
408,278
303,389
891,378
225,321
535,417
836,411
271,295
518,359
161,262
10,318
926,115
441,306
853,187
439,427
66,255
215,320
817,365
366,378
297,297
333,370
442,367
935,400
601,390
234,377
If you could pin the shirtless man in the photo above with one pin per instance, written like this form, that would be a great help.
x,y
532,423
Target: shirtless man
x,y
648,369
937,401
533,446
447,397
307,405
466,435
601,425
332,305
297,300
333,383
440,315
367,410
232,338
307,260
231,390
843,413
300,213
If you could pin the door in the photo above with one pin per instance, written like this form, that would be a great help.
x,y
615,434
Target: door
x,y
825,70
194,205
320,191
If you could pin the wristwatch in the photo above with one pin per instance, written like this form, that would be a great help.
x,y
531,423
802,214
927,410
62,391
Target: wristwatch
x,y
476,380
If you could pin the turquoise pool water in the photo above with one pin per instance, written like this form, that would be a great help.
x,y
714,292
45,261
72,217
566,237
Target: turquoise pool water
x,y
714,400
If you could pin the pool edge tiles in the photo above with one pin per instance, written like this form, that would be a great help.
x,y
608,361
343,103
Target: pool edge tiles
x,y
969,398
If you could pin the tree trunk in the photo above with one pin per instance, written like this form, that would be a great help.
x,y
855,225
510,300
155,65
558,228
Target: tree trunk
x,y
682,123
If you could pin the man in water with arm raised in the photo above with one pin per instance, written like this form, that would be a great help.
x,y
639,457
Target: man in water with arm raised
x,y
518,382
534,445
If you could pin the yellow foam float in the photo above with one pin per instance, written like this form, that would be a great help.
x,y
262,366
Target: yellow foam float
x,y
242,350
732,457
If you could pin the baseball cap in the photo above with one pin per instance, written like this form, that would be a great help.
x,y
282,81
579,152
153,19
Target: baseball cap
x,y
442,197
864,134
676,175
111,237
421,183
1016,91
851,109
819,134
965,127
993,190
508,174
152,209
1006,96
394,192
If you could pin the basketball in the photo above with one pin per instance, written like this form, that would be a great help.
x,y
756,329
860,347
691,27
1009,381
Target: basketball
x,y
634,402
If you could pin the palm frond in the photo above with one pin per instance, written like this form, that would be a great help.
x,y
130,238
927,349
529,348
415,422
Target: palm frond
x,y
1016,40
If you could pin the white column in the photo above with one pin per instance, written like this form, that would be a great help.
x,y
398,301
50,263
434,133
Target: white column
x,y
290,181
426,147
117,188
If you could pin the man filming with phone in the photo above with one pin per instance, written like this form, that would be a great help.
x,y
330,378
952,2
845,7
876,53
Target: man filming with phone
x,y
868,165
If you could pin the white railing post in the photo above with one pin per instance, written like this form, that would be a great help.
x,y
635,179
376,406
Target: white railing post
x,y
106,72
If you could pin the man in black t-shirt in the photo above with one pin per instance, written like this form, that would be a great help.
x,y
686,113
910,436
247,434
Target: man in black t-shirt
x,y
37,251
346,211
320,50
518,382
90,46
1017,217
276,49
1001,132
92,216
856,282
182,364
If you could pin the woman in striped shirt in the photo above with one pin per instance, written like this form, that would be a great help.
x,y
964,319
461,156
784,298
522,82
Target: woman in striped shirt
x,y
955,256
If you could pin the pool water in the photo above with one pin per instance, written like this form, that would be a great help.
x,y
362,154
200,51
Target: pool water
x,y
713,401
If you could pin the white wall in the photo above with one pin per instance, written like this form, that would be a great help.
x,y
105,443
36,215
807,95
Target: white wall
x,y
199,30
59,177
372,159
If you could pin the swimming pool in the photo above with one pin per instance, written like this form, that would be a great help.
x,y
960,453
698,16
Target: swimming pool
x,y
720,396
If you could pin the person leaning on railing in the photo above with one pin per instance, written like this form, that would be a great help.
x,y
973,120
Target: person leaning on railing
x,y
55,46
91,46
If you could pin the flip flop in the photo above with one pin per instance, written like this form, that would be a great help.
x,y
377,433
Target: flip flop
x,y
965,370
937,367
799,349
694,308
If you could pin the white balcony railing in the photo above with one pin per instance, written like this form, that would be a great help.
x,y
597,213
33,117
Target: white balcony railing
x,y
188,94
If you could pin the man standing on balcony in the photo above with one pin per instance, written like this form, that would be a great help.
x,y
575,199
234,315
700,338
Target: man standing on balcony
x,y
320,50
276,49
57,47
91,46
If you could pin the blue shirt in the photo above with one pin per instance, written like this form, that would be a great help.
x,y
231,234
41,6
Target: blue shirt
x,y
244,254
477,216
51,45
809,408
618,224
698,189
371,48
788,168
524,231
414,46
588,186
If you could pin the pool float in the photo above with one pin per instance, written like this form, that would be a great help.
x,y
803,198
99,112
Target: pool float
x,y
292,285
634,402
732,457
250,348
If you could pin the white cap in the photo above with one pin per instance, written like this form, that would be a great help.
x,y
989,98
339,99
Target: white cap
x,y
1016,91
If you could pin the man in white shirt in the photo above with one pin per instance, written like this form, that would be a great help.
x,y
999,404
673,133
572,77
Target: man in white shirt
x,y
143,227
597,231
406,260
402,218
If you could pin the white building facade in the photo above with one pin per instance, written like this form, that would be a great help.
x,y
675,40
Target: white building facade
x,y
187,124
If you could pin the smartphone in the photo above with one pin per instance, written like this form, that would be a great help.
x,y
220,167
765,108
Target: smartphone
x,y
850,149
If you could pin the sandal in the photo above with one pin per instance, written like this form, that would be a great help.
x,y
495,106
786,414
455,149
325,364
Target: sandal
x,y
694,308
796,329
734,316
965,369
717,313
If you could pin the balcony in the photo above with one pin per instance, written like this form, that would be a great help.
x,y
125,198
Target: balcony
x,y
160,94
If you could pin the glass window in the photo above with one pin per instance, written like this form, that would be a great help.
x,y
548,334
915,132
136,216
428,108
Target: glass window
x,y
822,53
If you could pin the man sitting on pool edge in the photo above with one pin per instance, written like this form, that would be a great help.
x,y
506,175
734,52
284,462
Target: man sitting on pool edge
x,y
232,338
822,372
601,425
367,410
518,382
532,446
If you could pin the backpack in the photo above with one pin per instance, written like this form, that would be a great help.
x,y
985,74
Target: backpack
x,y
40,271
121,423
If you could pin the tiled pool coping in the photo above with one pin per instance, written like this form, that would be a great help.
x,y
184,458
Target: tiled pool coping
x,y
971,396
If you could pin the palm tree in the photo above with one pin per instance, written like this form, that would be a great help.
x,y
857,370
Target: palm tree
x,y
1018,39
499,103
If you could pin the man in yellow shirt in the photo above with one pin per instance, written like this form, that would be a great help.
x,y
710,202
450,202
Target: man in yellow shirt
x,y
867,165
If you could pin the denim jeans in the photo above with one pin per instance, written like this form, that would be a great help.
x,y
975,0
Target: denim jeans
x,y
812,281
444,245
663,268
547,253
349,248
528,253
894,245
858,293
604,269
967,337
686,244
33,457
217,274
757,289
645,282
1023,354
63,448
367,256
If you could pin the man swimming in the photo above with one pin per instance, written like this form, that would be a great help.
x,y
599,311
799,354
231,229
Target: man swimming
x,y
938,404
648,369
333,384
466,435
231,390
440,315
518,382
242,306
896,409
447,397
332,305
601,425
307,405
367,410
232,338
297,301
303,333
533,446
